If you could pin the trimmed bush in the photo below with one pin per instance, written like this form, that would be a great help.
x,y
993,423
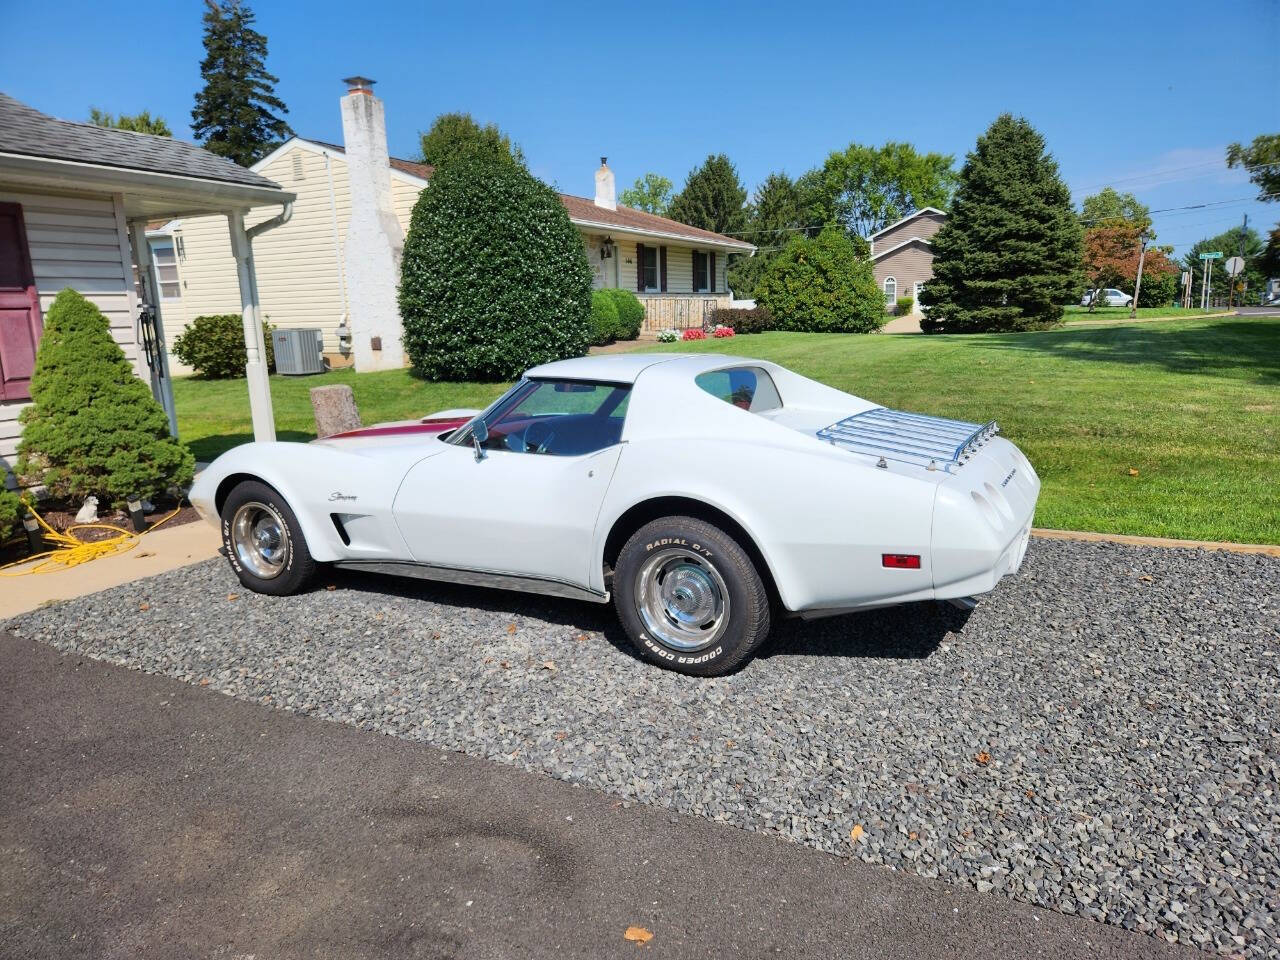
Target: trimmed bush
x,y
93,426
1159,289
903,306
9,505
604,318
213,346
494,278
756,320
822,285
630,312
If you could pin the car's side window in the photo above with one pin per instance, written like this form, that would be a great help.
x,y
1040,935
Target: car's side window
x,y
558,417
750,388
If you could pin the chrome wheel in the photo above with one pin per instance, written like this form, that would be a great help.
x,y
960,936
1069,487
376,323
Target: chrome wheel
x,y
260,539
682,599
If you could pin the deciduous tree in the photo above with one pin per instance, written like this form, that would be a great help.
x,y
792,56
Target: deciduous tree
x,y
1009,255
1262,159
867,188
138,122
454,134
237,112
1107,207
650,193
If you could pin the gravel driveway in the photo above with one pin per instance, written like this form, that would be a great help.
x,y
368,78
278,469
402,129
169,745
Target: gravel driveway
x,y
1101,736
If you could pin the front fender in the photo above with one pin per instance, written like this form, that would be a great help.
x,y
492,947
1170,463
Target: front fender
x,y
317,481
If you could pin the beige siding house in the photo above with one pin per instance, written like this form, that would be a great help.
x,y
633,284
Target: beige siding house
x,y
303,267
903,257
74,201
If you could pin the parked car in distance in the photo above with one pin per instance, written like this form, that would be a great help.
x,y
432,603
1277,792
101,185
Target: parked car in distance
x,y
1107,298
704,494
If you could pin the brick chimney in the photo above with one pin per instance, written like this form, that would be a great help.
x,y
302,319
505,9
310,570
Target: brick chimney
x,y
375,240
606,191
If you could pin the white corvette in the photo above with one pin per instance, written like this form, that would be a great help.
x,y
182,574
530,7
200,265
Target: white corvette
x,y
705,493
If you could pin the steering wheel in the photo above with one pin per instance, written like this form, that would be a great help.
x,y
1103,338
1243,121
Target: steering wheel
x,y
533,439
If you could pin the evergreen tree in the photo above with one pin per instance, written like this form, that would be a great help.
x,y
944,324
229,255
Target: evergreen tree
x,y
713,198
1009,255
773,217
455,134
236,113
93,427
142,122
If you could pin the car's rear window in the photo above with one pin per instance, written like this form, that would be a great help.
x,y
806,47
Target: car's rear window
x,y
749,388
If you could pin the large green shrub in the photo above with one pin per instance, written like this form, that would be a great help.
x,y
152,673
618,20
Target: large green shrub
x,y
93,426
1159,288
904,306
604,318
630,312
822,285
495,278
9,506
213,346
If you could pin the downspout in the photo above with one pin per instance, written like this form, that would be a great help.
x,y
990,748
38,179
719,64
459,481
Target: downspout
x,y
279,220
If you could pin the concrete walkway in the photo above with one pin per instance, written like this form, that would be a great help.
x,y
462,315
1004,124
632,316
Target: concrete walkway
x,y
166,549
140,816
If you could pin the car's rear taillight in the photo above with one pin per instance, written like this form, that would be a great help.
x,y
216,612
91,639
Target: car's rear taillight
x,y
901,561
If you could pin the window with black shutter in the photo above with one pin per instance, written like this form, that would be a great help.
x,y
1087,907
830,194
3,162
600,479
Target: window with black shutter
x,y
699,271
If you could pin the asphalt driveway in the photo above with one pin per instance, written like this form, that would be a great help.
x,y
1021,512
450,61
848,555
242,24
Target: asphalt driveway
x,y
142,817
1099,738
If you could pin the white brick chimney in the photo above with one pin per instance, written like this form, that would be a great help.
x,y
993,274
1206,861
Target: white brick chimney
x,y
375,240
606,190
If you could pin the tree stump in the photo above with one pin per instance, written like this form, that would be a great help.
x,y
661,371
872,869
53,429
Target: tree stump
x,y
335,410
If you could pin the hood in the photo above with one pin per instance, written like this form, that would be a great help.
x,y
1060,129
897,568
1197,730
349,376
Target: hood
x,y
400,431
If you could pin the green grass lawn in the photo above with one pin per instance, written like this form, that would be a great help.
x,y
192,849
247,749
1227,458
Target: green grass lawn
x,y
1193,405
1076,313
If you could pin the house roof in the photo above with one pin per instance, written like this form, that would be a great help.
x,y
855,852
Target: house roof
x,y
583,211
28,132
898,246
910,216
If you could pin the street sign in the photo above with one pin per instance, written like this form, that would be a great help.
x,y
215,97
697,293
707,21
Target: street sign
x,y
1216,255
1234,265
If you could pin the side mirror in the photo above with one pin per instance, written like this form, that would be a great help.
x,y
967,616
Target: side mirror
x,y
479,437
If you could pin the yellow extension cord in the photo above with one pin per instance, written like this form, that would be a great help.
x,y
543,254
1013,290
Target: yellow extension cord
x,y
72,551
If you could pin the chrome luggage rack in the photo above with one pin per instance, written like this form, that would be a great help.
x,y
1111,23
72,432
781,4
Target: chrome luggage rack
x,y
931,442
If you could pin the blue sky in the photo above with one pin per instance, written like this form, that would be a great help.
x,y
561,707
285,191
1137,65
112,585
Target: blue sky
x,y
1142,96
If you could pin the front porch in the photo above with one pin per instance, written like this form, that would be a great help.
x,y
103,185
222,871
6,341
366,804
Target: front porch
x,y
679,311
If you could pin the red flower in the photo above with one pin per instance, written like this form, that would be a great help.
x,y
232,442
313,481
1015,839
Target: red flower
x,y
694,333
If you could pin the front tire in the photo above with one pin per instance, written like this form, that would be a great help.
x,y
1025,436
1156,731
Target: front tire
x,y
263,541
690,598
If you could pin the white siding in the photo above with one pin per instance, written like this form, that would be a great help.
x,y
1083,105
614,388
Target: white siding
x,y
78,242
679,267
298,264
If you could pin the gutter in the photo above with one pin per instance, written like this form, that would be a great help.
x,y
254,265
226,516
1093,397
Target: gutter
x,y
729,246
278,220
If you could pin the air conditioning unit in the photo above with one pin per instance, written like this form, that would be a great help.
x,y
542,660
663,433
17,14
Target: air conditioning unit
x,y
298,351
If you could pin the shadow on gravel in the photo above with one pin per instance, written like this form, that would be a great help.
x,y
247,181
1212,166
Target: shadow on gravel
x,y
910,632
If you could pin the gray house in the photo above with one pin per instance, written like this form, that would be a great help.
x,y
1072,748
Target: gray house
x,y
902,255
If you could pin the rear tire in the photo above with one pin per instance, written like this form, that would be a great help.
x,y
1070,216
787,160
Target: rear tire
x,y
264,542
690,598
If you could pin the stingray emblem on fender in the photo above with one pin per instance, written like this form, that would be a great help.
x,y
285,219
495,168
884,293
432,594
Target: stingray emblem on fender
x,y
339,495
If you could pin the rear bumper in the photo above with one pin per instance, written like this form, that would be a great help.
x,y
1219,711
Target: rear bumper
x,y
1007,562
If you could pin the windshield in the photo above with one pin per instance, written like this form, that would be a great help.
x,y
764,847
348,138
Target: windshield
x,y
557,417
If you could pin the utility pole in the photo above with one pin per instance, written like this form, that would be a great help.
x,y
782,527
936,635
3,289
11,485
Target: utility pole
x,y
1244,229
1145,237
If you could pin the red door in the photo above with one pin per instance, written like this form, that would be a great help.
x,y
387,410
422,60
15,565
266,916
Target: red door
x,y
19,307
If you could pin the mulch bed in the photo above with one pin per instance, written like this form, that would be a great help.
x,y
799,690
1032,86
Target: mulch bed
x,y
62,515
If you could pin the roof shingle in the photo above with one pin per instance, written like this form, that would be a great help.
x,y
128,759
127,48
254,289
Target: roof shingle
x,y
25,130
